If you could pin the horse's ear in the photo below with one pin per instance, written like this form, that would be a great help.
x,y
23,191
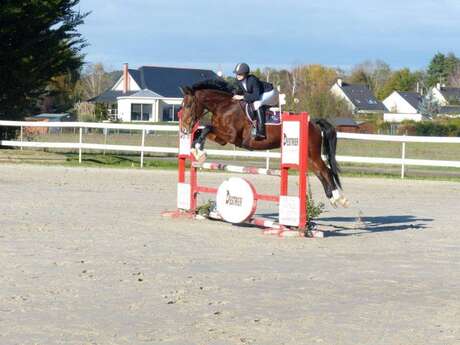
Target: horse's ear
x,y
186,90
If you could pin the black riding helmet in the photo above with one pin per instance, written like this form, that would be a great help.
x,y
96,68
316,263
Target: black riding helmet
x,y
242,69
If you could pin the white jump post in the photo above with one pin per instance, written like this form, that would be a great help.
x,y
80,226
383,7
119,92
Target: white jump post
x,y
292,219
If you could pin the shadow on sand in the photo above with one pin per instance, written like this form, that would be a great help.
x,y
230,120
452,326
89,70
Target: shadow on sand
x,y
356,226
349,226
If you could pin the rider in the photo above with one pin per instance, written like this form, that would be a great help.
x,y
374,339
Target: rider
x,y
259,93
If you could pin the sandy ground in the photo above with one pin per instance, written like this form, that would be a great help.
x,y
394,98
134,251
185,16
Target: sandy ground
x,y
87,259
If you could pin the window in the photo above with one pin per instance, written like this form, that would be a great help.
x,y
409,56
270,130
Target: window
x,y
141,112
136,110
146,112
170,112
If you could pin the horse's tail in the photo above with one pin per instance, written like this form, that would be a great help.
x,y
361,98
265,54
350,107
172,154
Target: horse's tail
x,y
330,146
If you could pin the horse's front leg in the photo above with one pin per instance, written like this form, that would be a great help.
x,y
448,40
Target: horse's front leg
x,y
200,139
198,144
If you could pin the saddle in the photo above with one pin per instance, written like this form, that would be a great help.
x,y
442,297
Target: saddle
x,y
272,115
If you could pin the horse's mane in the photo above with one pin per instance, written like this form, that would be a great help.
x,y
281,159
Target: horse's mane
x,y
214,84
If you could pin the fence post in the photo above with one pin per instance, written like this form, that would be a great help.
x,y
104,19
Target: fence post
x,y
22,132
106,130
81,141
403,158
142,148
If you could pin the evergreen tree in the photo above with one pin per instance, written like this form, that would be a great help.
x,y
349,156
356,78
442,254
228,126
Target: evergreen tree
x,y
39,42
438,70
452,62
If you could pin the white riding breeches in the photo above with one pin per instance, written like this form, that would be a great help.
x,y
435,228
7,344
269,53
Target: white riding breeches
x,y
270,98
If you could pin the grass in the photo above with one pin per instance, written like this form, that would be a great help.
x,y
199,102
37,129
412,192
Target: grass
x,y
348,147
164,161
123,161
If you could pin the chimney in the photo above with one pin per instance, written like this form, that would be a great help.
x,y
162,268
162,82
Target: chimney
x,y
125,78
339,82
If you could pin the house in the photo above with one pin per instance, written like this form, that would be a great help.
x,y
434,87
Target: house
x,y
450,111
448,98
403,106
445,96
150,93
348,125
46,117
359,97
61,117
345,124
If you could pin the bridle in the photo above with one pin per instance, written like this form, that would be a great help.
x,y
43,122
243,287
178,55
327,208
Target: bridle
x,y
195,117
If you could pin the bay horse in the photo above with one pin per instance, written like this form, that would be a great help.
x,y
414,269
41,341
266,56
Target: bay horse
x,y
229,124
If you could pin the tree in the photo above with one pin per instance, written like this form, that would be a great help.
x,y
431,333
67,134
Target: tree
x,y
360,76
374,74
454,77
95,80
39,42
438,70
380,75
452,62
429,107
313,84
61,93
401,80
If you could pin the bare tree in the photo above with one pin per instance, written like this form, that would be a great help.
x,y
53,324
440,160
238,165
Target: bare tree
x,y
94,81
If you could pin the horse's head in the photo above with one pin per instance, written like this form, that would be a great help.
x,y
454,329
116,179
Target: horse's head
x,y
192,110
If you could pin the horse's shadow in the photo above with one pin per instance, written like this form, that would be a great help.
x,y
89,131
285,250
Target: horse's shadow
x,y
349,226
353,226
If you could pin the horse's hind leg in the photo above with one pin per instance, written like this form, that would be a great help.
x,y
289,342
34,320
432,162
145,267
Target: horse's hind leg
x,y
324,174
320,170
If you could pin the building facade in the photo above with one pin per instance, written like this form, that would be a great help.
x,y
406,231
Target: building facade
x,y
150,93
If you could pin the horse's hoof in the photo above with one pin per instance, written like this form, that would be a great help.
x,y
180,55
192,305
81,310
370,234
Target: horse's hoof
x,y
344,202
202,158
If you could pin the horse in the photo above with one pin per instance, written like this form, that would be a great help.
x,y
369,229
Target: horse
x,y
230,125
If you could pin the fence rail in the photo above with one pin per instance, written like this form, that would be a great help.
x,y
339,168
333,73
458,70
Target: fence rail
x,y
142,148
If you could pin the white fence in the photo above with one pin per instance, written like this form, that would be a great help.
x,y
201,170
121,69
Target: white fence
x,y
403,161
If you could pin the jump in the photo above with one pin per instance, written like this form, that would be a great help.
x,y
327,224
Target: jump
x,y
231,125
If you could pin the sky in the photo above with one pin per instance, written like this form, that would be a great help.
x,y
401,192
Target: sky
x,y
268,33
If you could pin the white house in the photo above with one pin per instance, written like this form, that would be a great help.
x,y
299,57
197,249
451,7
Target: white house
x,y
402,106
358,97
150,93
448,98
445,96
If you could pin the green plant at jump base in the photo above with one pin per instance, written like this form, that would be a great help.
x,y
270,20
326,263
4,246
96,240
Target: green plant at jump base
x,y
313,209
205,209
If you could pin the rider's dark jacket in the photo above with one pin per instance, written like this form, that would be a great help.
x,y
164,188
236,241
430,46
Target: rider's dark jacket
x,y
254,88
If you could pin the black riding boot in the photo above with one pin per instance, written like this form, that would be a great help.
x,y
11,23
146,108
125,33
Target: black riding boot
x,y
260,126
